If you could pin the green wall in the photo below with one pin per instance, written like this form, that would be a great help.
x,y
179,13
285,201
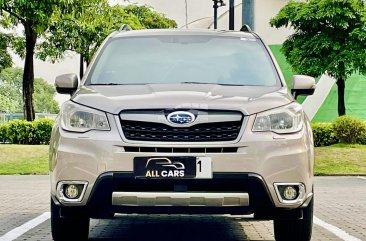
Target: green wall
x,y
328,112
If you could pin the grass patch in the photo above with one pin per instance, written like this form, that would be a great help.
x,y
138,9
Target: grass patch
x,y
338,159
23,159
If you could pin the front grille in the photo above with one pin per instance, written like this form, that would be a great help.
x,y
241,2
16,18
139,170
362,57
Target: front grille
x,y
182,149
206,132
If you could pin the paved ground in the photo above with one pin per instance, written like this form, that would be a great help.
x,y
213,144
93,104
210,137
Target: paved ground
x,y
340,202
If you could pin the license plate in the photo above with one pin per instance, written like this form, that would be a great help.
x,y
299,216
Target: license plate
x,y
173,167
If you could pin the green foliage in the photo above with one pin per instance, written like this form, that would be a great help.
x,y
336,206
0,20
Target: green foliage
x,y
44,101
37,13
42,131
84,32
349,130
20,132
11,90
329,37
26,132
346,129
324,134
35,17
11,93
3,133
363,138
149,18
325,36
5,58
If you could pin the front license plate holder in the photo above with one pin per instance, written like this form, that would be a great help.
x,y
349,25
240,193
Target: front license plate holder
x,y
185,167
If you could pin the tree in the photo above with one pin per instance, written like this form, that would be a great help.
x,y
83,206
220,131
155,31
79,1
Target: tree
x,y
44,101
83,33
11,93
149,18
329,37
11,90
5,58
35,17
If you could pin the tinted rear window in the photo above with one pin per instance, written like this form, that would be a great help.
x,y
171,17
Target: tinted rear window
x,y
179,59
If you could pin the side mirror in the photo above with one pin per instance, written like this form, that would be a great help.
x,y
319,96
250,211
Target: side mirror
x,y
67,83
302,85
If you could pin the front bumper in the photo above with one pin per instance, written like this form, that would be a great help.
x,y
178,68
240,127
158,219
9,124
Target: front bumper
x,y
249,188
96,155
100,203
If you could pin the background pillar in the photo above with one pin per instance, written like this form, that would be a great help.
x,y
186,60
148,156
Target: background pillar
x,y
248,13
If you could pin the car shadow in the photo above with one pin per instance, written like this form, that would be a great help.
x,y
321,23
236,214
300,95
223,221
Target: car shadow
x,y
170,228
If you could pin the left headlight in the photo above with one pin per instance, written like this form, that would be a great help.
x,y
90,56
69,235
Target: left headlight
x,y
287,119
78,118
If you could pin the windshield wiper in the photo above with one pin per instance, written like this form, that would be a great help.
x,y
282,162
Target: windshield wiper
x,y
203,83
121,84
200,83
236,85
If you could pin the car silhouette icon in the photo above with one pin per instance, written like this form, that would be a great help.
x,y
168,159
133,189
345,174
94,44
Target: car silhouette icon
x,y
166,162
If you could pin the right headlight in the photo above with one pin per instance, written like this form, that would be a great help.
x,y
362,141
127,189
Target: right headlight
x,y
78,118
283,120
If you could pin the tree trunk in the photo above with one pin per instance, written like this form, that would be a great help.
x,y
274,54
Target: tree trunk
x,y
341,102
28,75
81,66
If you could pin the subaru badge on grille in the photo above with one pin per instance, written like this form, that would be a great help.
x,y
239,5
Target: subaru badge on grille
x,y
181,117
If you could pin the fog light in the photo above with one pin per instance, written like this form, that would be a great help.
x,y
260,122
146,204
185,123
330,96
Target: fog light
x,y
290,193
71,191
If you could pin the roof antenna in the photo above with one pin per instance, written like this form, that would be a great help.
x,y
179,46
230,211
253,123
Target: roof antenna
x,y
125,27
246,29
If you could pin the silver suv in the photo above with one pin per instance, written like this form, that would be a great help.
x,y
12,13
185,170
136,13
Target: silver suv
x,y
182,122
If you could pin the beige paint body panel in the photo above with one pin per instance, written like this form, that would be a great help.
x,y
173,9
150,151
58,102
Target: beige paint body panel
x,y
277,158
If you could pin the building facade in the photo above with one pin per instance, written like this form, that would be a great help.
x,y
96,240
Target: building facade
x,y
264,10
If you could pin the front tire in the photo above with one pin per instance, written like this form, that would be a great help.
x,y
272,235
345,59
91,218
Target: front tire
x,y
299,230
63,229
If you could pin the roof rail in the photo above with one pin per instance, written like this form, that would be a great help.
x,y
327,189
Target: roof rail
x,y
125,27
246,29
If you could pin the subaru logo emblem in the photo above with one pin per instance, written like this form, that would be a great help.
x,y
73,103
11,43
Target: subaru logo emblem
x,y
181,117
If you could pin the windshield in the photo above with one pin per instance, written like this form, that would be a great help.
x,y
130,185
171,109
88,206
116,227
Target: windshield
x,y
183,59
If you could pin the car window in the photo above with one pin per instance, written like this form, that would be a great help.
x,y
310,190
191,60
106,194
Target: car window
x,y
182,59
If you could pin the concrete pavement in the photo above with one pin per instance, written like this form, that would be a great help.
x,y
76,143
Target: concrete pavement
x,y
340,203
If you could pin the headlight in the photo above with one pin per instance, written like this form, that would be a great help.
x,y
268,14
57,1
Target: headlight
x,y
288,119
79,118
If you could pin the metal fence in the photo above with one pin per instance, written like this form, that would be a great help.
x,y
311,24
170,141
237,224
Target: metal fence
x,y
5,117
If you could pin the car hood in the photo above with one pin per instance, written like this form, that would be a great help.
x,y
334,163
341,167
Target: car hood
x,y
248,99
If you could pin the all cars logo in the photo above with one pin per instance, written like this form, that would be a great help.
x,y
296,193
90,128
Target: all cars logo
x,y
164,167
